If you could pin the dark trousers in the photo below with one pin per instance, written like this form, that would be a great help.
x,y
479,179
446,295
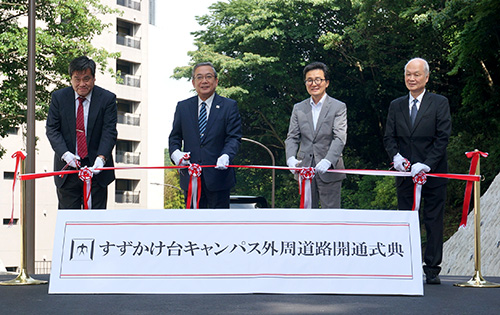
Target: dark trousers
x,y
209,199
70,195
432,210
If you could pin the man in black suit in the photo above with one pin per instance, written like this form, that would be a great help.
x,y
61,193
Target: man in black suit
x,y
207,127
81,128
417,131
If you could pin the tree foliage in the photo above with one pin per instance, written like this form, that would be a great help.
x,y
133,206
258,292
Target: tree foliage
x,y
261,48
64,31
173,196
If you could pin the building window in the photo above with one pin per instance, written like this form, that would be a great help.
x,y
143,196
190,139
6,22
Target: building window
x,y
127,152
128,73
152,12
127,112
126,191
6,221
132,4
126,34
8,175
13,131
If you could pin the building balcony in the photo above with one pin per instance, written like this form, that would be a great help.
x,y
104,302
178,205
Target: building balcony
x,y
132,4
128,41
130,80
127,196
129,119
128,157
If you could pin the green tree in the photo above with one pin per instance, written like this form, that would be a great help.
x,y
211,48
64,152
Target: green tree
x,y
261,47
64,31
173,196
473,29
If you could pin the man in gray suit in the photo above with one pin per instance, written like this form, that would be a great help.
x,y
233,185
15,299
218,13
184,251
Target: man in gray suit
x,y
317,135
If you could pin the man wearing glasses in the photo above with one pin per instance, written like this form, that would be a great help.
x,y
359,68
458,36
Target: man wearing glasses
x,y
81,128
317,135
207,131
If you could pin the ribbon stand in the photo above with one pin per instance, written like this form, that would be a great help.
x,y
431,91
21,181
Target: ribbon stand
x,y
477,280
23,278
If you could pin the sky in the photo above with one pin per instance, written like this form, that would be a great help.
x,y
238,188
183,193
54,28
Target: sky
x,y
169,42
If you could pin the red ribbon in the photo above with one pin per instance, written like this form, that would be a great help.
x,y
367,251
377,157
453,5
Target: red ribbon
x,y
85,174
475,155
306,175
19,155
470,178
194,188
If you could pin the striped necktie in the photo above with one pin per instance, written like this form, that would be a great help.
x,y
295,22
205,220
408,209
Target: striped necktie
x,y
202,119
81,139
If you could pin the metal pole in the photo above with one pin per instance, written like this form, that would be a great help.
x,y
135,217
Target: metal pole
x,y
477,279
273,170
30,143
23,278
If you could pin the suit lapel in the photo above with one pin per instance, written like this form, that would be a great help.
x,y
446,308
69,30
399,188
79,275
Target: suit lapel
x,y
93,111
405,111
215,110
424,106
193,115
325,108
70,115
306,107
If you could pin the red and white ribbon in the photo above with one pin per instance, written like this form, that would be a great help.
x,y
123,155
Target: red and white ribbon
x,y
475,155
85,174
419,180
306,175
194,190
19,155
193,197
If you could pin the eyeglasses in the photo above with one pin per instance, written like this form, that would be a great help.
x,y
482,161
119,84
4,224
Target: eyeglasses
x,y
85,79
208,77
316,81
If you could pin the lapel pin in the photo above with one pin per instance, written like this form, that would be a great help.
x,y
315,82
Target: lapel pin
x,y
217,106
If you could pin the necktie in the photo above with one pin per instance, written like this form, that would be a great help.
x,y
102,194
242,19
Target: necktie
x,y
202,119
81,139
413,112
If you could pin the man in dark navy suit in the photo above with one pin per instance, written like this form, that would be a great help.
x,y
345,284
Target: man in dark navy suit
x,y
81,128
417,131
207,128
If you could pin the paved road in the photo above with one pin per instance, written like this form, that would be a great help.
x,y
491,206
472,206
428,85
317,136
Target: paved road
x,y
438,299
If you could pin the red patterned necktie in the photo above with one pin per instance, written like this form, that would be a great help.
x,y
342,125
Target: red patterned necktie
x,y
81,139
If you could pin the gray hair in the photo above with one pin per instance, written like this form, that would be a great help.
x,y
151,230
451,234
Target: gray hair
x,y
203,64
426,65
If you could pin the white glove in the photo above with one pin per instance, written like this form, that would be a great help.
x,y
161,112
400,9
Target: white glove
x,y
179,158
399,163
419,167
70,159
99,163
323,166
222,162
293,162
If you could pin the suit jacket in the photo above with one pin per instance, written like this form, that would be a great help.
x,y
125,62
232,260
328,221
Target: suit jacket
x,y
426,141
325,142
101,129
222,136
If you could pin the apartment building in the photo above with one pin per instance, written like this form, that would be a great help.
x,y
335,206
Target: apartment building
x,y
129,36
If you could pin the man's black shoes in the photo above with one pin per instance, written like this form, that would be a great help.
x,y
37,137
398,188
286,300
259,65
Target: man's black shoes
x,y
432,279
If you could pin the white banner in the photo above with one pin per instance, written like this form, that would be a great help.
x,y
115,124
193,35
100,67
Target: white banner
x,y
237,251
